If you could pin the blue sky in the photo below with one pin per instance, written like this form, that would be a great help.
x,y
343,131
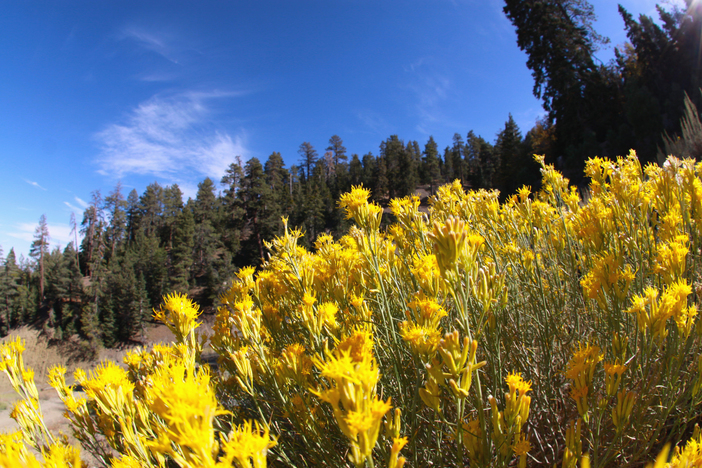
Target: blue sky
x,y
99,92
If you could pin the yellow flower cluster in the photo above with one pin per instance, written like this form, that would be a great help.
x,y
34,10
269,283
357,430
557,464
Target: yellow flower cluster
x,y
352,393
313,346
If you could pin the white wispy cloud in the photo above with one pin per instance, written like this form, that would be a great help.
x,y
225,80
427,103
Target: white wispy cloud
x,y
59,234
374,121
168,137
431,90
35,184
73,207
81,202
160,43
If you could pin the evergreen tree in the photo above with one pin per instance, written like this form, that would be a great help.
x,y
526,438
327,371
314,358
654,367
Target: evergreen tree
x,y
182,251
207,243
68,312
336,146
116,208
151,209
39,250
407,167
472,159
659,67
233,212
370,171
380,180
205,205
9,292
308,157
559,40
172,207
93,255
508,145
127,303
355,171
457,158
431,171
133,214
254,195
447,168
277,178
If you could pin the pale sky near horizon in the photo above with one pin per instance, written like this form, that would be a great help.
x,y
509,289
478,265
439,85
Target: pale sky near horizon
x,y
99,92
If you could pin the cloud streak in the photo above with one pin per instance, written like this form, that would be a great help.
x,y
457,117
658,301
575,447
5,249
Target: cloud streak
x,y
158,43
81,202
59,234
72,207
34,184
431,90
169,137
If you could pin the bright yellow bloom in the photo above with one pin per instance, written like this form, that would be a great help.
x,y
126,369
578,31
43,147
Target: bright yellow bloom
x,y
422,340
179,313
516,383
247,445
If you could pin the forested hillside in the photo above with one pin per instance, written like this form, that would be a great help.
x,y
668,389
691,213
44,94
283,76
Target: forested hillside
x,y
137,247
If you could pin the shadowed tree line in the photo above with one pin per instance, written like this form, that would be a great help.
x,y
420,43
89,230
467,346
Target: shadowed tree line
x,y
635,102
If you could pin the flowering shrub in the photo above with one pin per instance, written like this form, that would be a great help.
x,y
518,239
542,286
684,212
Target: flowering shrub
x,y
546,330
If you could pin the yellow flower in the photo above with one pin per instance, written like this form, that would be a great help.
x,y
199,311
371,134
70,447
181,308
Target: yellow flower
x,y
516,383
358,345
247,444
179,313
423,341
328,312
354,200
308,299
520,448
187,404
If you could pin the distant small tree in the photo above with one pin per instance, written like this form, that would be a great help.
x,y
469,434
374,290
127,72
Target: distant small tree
x,y
39,250
308,157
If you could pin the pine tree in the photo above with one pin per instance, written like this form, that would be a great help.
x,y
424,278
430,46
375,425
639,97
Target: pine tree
x,y
255,194
57,285
457,157
116,207
308,157
336,146
510,174
380,180
560,42
447,171
233,212
151,209
133,215
431,164
93,254
9,292
182,251
407,169
370,170
355,171
277,178
70,311
39,250
205,206
172,207
207,243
